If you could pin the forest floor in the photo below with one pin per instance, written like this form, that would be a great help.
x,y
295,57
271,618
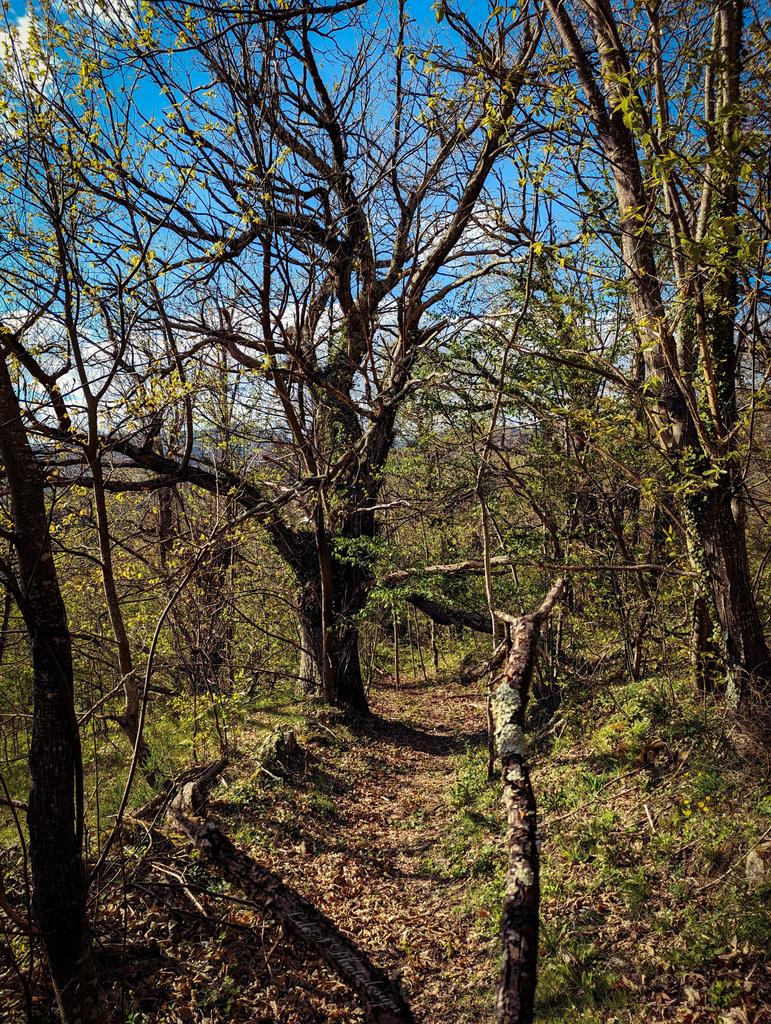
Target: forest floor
x,y
354,826
391,828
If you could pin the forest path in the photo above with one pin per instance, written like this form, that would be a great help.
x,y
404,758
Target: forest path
x,y
365,827
390,822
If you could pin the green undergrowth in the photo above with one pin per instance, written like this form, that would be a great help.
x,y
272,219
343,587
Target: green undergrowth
x,y
292,803
181,731
647,814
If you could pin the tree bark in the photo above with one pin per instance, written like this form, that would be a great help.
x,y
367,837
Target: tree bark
x,y
744,647
55,805
516,991
342,647
702,660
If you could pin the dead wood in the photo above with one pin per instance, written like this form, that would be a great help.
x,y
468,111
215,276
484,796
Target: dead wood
x,y
516,989
187,792
381,999
446,616
496,659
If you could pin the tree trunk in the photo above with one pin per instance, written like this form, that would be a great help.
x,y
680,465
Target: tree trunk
x,y
397,665
434,648
516,991
57,869
342,645
702,653
724,548
55,807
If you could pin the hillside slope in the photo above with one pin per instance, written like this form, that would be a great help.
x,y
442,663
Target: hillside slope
x,y
391,828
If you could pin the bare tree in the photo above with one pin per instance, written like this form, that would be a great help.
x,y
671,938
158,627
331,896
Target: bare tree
x,y
316,217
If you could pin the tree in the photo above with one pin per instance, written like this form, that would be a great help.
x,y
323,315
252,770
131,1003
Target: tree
x,y
55,807
687,235
325,214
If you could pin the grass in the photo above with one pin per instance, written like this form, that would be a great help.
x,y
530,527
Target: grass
x,y
188,731
647,814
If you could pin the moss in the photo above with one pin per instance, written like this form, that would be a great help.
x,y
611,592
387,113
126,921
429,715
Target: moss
x,y
509,737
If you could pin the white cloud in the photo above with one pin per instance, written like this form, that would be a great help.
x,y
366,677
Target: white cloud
x,y
117,14
22,53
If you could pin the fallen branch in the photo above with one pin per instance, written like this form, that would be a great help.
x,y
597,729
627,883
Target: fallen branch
x,y
477,565
187,792
471,565
450,616
19,805
193,793
382,1001
496,659
516,990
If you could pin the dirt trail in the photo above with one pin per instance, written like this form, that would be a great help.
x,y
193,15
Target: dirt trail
x,y
357,830
391,816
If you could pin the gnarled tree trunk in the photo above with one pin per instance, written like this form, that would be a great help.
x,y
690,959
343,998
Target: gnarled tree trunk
x,y
344,677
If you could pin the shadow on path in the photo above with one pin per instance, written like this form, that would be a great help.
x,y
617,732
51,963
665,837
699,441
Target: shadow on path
x,y
399,733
